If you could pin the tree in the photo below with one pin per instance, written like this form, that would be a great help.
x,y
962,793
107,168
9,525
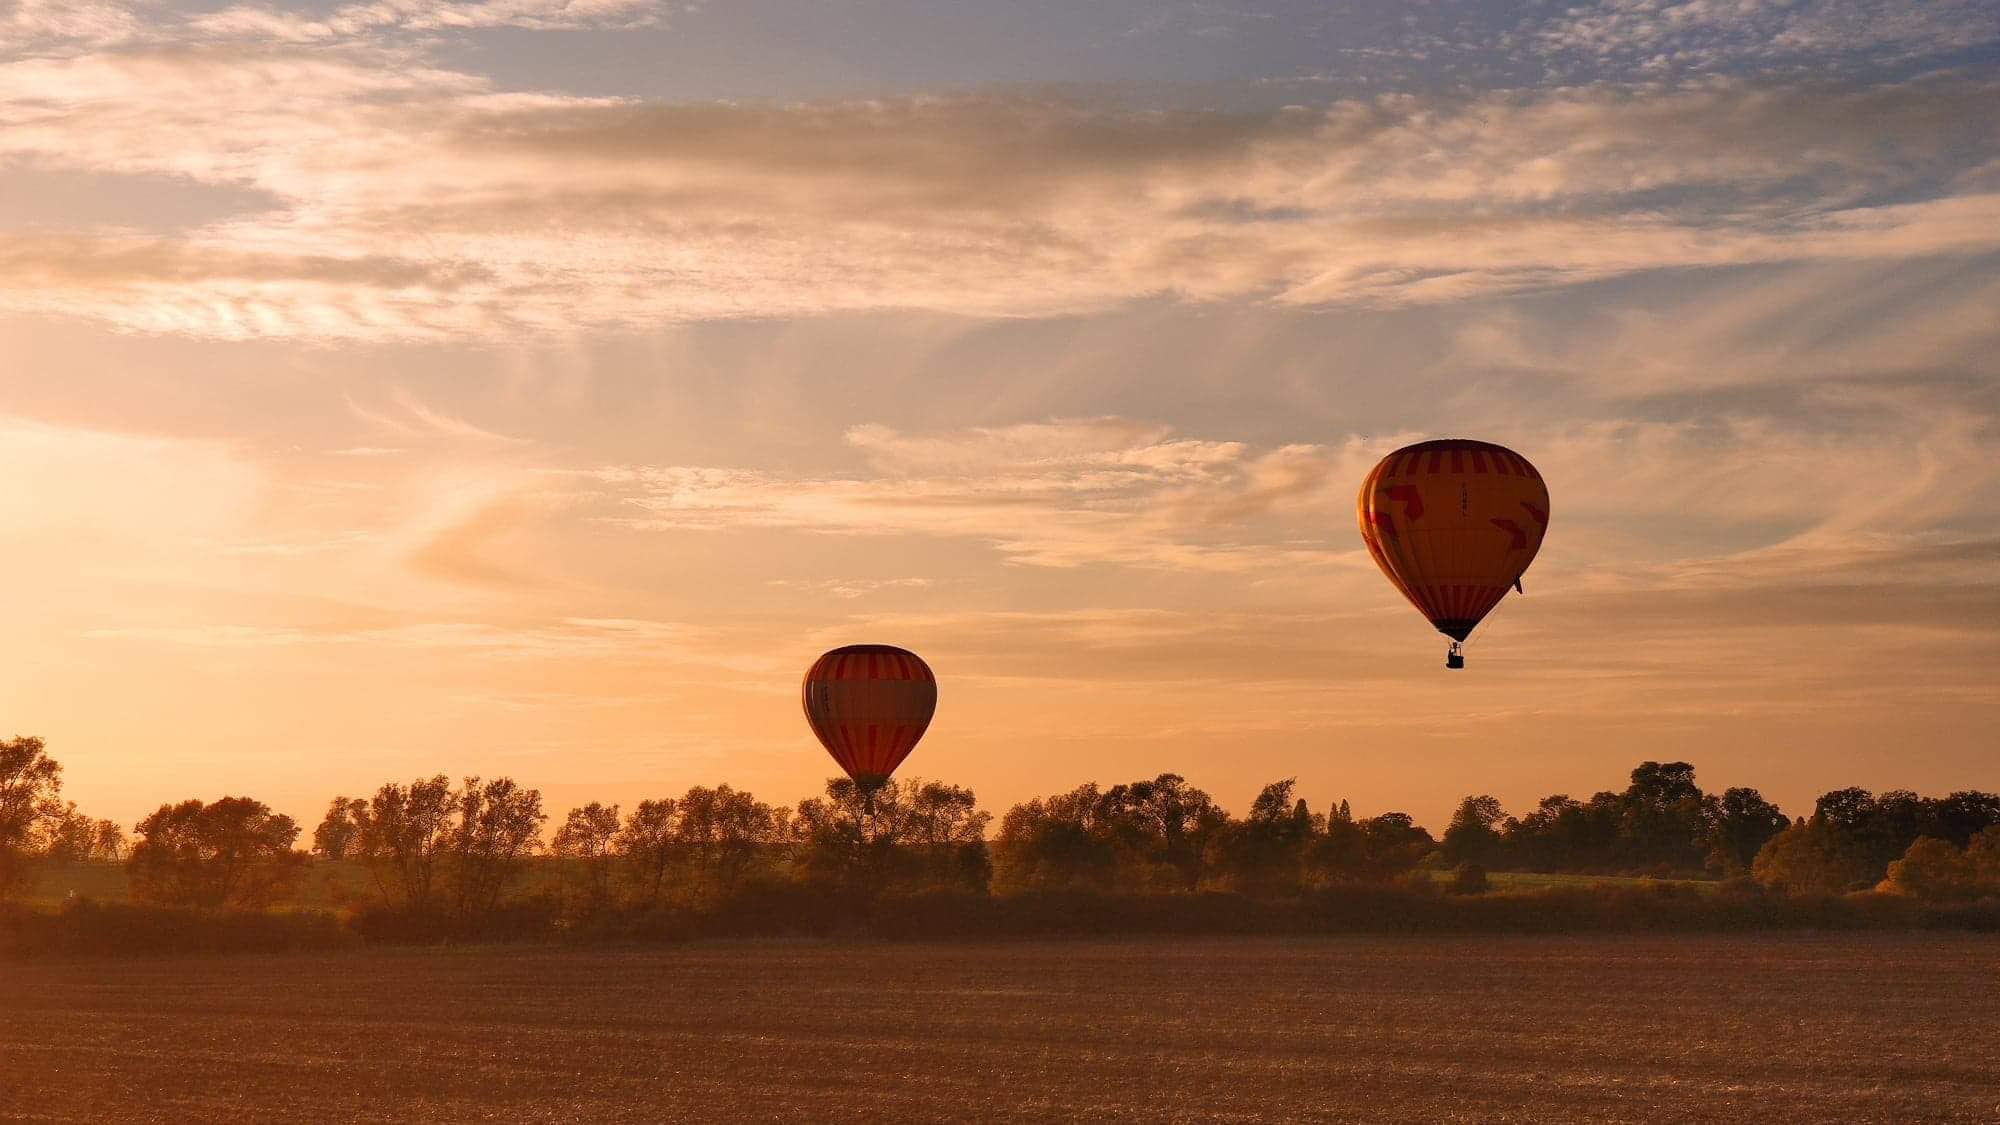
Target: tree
x,y
1810,857
1265,852
1964,815
1934,871
586,839
1055,843
30,782
942,834
1393,842
339,832
1984,852
1473,835
721,831
1744,823
1666,818
110,842
646,843
67,836
402,834
234,852
499,826
1164,825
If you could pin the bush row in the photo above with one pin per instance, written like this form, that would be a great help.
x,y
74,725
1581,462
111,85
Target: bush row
x,y
779,910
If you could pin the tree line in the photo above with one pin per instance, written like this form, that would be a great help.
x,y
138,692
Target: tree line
x,y
458,854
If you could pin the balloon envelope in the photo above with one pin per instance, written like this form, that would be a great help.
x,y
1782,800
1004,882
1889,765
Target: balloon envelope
x,y
1454,524
869,704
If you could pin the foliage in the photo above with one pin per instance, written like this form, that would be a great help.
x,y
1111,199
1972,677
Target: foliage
x,y
433,849
402,834
586,838
30,782
233,852
339,831
1473,835
1934,871
66,836
499,826
1811,858
645,847
1743,823
1469,879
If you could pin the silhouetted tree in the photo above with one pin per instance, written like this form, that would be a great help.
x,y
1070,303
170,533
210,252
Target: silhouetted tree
x,y
1340,853
1563,834
1667,819
1744,823
721,832
942,832
586,839
1394,843
403,834
1162,825
231,852
1264,853
499,826
110,843
66,835
1055,843
646,844
1473,835
1963,815
339,834
30,783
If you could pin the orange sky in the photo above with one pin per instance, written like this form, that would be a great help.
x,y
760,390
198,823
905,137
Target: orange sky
x,y
372,407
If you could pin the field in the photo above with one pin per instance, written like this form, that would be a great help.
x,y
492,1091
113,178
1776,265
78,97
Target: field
x,y
1852,1028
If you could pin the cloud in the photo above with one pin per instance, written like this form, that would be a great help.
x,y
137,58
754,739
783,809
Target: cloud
x,y
572,637
851,588
419,202
1704,34
376,17
1062,493
45,25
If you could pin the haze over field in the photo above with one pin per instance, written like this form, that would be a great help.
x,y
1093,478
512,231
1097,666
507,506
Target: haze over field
x,y
535,387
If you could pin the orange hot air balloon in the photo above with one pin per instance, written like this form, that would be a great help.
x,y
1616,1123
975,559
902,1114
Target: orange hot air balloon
x,y
869,704
1453,524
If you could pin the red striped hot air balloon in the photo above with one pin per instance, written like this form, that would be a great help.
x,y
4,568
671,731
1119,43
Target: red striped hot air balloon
x,y
1453,524
869,704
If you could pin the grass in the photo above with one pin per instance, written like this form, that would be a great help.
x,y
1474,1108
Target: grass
x,y
1874,1027
326,885
330,885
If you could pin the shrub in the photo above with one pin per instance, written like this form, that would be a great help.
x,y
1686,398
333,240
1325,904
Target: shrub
x,y
1469,879
84,927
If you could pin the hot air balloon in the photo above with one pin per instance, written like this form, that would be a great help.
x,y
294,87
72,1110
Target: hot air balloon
x,y
869,704
1453,524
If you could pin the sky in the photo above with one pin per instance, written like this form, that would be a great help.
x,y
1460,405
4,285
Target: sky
x,y
535,387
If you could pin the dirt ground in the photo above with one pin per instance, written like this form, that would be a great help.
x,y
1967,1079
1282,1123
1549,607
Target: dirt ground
x,y
1847,1028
